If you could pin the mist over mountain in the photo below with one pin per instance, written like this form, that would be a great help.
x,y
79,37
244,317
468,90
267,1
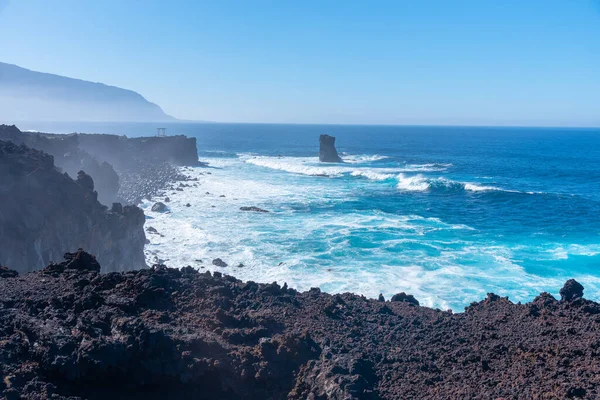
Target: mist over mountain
x,y
27,95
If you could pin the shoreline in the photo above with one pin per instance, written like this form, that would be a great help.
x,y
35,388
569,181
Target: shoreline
x,y
177,332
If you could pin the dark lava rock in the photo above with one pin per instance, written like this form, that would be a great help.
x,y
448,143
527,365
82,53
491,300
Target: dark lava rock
x,y
188,205
167,200
406,298
45,213
327,151
219,263
256,209
85,181
68,332
159,207
7,272
572,290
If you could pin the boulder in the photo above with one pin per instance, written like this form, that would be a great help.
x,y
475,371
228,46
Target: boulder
x,y
219,263
572,290
405,298
327,151
159,207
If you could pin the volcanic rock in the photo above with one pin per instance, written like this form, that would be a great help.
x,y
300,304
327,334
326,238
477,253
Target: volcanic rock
x,y
159,207
68,332
405,298
327,151
219,263
572,290
252,208
45,213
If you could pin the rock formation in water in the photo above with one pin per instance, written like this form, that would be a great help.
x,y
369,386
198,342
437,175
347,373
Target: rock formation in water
x,y
44,213
327,151
166,333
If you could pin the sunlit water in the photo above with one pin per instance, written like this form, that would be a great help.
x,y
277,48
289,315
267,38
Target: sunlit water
x,y
447,214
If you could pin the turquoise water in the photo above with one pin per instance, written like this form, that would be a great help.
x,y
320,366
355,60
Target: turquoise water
x,y
447,214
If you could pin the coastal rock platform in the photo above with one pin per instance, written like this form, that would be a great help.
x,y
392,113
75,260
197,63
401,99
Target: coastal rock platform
x,y
68,331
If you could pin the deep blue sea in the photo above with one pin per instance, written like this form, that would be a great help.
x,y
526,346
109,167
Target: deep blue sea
x,y
445,213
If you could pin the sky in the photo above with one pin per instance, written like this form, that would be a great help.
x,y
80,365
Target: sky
x,y
432,62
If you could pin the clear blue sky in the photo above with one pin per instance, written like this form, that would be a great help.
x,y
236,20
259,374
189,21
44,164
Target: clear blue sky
x,y
491,62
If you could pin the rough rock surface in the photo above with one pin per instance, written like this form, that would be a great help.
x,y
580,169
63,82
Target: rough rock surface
x,y
327,151
165,333
70,158
159,207
124,169
44,213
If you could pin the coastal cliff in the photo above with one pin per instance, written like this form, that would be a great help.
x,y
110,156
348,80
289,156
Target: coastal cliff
x,y
123,169
45,213
166,333
70,158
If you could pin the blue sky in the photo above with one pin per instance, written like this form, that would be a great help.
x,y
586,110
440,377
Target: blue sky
x,y
466,62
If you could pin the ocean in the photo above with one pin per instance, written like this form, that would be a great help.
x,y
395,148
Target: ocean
x,y
447,214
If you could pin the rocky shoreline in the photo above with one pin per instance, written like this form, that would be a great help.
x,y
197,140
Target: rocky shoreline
x,y
51,204
69,332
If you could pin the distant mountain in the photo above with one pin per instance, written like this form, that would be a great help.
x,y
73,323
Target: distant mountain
x,y
35,96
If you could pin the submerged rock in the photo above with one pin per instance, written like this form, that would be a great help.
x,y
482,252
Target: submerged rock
x,y
256,209
327,151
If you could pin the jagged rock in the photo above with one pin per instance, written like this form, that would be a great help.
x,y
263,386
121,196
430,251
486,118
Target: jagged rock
x,y
45,213
327,150
85,181
7,272
405,298
68,332
219,263
145,165
572,290
159,207
252,208
381,298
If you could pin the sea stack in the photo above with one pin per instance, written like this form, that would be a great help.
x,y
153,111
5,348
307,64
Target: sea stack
x,y
327,151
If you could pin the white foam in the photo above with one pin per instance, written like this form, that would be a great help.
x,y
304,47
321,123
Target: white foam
x,y
312,167
443,264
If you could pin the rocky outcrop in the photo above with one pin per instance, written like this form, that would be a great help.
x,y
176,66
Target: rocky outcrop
x,y
70,158
254,209
327,151
166,333
123,169
45,213
122,151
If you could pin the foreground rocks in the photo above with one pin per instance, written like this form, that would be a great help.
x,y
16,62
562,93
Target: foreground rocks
x,y
327,151
165,333
44,213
